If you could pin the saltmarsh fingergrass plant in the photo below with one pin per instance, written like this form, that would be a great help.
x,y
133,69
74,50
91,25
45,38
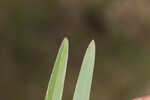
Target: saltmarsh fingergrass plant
x,y
83,87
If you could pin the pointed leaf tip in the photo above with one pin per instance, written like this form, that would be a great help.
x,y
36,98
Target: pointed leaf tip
x,y
56,83
84,82
66,41
92,44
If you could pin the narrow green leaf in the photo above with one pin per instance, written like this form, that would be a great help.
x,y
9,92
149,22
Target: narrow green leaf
x,y
83,87
56,83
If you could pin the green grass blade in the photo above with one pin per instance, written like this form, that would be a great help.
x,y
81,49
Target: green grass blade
x,y
56,83
83,87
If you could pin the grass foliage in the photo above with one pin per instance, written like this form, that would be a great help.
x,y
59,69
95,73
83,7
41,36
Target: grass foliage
x,y
83,87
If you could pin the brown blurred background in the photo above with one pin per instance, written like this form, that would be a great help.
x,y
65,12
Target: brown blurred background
x,y
31,32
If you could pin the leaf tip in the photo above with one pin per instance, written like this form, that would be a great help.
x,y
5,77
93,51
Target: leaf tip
x,y
92,44
66,41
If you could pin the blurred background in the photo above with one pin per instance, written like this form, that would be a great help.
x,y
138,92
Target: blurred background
x,y
31,32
